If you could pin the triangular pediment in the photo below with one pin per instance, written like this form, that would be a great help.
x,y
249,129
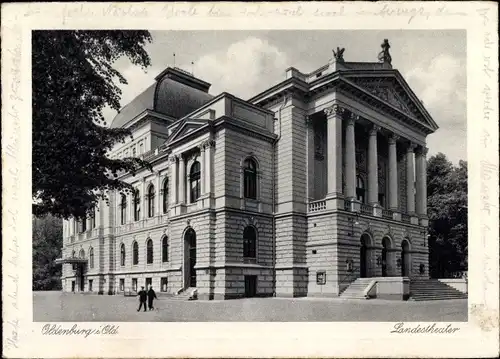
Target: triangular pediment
x,y
185,128
393,90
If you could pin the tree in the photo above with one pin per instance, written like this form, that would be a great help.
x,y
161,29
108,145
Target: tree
x,y
447,209
47,244
73,81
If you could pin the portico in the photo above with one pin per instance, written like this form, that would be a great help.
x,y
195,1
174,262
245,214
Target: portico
x,y
356,189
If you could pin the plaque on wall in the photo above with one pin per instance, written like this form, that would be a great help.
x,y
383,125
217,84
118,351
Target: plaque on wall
x,y
321,277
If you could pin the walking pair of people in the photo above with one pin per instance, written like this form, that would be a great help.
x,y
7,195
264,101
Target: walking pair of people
x,y
150,296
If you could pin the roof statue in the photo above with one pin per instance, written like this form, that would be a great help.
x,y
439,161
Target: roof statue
x,y
339,55
384,55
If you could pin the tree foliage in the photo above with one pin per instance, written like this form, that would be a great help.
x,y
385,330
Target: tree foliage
x,y
73,81
47,244
447,209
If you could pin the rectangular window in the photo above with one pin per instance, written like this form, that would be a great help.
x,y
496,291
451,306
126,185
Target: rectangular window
x,y
164,284
122,285
134,284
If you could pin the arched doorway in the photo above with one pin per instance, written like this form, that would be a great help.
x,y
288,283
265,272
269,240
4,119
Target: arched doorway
x,y
190,258
405,258
364,256
386,245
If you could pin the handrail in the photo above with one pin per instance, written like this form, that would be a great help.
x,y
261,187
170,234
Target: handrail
x,y
369,288
354,270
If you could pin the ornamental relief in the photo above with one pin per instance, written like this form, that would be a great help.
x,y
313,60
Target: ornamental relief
x,y
387,93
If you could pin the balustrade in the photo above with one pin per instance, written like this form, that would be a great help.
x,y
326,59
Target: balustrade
x,y
386,213
317,206
366,209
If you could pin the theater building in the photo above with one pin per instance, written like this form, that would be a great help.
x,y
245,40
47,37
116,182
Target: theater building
x,y
298,191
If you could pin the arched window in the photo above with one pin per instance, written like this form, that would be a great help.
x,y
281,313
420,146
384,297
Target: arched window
x,y
250,179
123,209
82,253
151,201
164,249
137,205
122,254
91,257
149,251
83,224
165,196
194,178
135,253
360,189
249,243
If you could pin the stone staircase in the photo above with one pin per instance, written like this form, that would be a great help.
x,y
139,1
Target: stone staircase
x,y
433,289
356,289
183,295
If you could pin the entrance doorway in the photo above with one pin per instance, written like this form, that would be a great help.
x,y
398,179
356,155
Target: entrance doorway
x,y
73,285
405,258
149,282
190,258
385,247
364,256
250,286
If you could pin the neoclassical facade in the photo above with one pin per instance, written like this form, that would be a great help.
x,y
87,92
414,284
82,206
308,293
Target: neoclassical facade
x,y
298,191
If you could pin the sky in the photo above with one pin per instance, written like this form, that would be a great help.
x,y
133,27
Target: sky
x,y
245,63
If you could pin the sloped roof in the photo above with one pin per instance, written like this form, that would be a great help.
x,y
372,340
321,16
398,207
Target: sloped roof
x,y
144,101
174,94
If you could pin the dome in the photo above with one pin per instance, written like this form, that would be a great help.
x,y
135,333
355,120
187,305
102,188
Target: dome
x,y
175,93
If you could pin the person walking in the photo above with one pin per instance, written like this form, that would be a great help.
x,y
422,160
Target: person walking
x,y
142,298
151,296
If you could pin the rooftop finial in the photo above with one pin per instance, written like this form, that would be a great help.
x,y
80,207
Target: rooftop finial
x,y
384,55
339,54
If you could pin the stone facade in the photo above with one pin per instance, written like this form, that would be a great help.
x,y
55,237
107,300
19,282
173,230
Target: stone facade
x,y
257,198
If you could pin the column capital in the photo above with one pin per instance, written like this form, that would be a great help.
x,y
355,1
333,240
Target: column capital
x,y
173,158
334,110
209,143
308,120
181,158
351,120
411,147
422,151
374,130
393,138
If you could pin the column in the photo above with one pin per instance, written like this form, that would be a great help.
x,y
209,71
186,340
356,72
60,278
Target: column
x,y
130,217
373,166
144,200
410,180
334,147
209,164
421,179
202,168
158,191
182,180
310,158
350,157
393,174
173,180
